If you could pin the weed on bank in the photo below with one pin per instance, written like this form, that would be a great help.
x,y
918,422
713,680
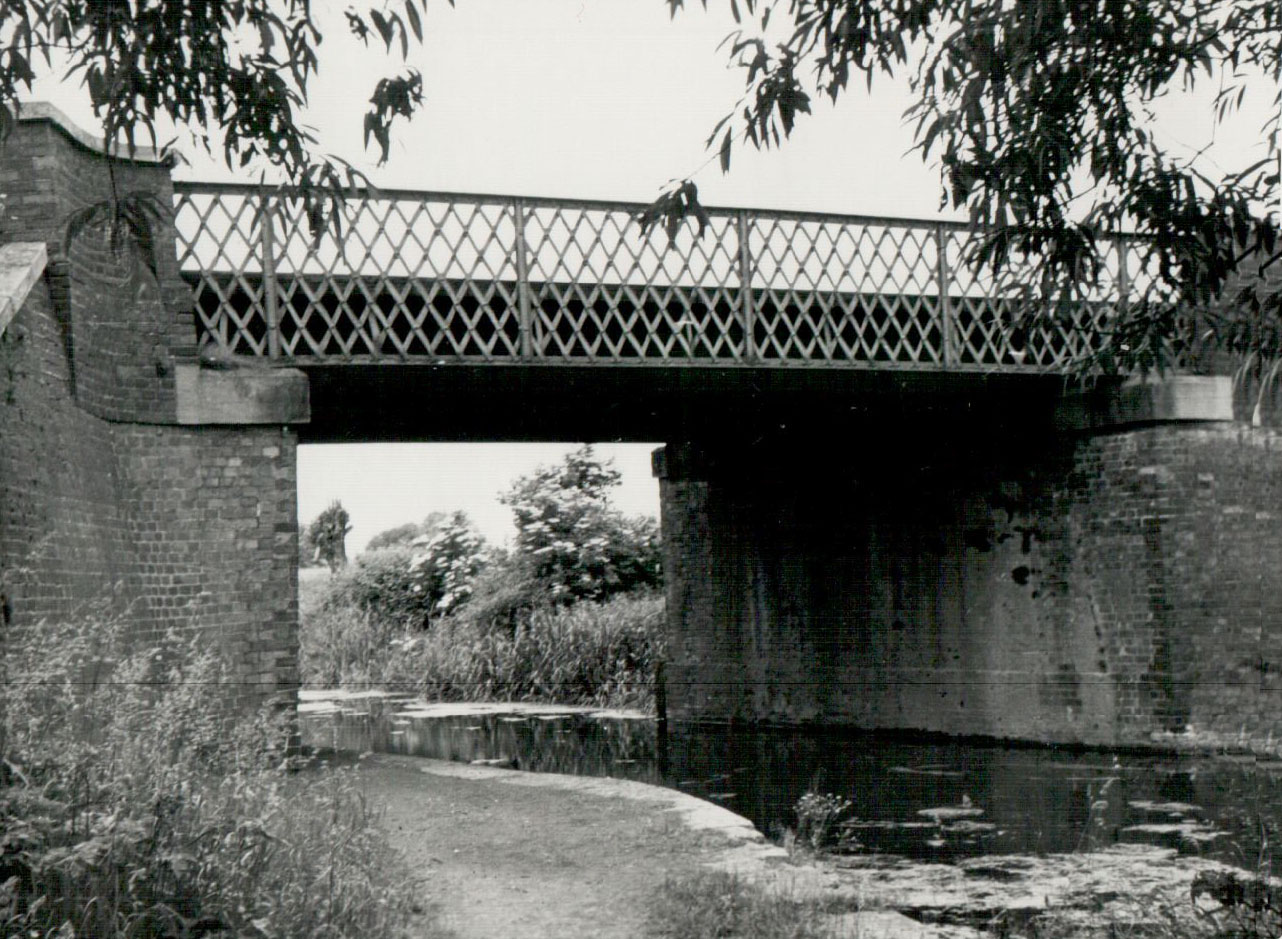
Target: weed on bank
x,y
137,801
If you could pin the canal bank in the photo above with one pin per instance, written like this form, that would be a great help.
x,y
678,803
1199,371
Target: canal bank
x,y
502,852
506,853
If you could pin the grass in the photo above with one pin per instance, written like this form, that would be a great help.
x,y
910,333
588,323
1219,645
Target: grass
x,y
719,905
135,802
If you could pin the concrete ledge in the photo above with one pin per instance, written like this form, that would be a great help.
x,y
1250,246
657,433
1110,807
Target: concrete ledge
x,y
241,396
44,111
21,265
1149,401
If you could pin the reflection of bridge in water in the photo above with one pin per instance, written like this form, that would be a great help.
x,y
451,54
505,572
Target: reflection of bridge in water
x,y
418,277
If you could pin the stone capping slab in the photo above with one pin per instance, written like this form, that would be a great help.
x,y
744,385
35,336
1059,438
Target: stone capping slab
x,y
44,111
1149,401
241,396
21,265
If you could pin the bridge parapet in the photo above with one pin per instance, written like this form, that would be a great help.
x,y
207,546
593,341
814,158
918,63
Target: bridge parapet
x,y
438,277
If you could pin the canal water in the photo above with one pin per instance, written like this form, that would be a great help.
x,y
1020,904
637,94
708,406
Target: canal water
x,y
933,800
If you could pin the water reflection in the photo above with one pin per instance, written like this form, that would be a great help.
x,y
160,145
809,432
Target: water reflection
x,y
932,800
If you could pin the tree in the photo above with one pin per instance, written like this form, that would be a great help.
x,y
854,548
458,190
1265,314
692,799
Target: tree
x,y
1040,113
446,560
327,536
404,534
575,543
235,71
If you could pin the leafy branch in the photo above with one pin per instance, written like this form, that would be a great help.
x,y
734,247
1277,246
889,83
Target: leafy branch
x,y
1040,115
236,73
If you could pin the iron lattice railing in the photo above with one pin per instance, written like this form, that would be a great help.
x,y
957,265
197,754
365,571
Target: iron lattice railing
x,y
421,276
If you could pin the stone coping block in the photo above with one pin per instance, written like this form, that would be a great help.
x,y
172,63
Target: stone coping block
x,y
1149,401
21,264
44,111
241,396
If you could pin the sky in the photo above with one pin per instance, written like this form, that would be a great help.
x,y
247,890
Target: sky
x,y
594,99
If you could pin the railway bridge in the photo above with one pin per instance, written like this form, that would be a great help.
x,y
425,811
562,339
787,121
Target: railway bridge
x,y
883,505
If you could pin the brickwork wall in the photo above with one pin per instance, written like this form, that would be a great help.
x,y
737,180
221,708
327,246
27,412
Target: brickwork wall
x,y
129,326
215,531
104,500
63,537
1095,590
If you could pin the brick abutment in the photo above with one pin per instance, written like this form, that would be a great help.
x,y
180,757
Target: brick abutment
x,y
109,505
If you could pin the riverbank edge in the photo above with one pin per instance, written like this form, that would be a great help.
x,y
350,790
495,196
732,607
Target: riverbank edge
x,y
739,844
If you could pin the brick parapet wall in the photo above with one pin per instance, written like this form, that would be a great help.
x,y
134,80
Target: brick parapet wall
x,y
130,326
64,542
1096,589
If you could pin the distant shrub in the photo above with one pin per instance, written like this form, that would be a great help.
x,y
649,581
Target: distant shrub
x,y
504,595
394,537
446,562
382,585
408,586
404,534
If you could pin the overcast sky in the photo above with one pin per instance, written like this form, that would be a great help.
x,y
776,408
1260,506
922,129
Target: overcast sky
x,y
595,99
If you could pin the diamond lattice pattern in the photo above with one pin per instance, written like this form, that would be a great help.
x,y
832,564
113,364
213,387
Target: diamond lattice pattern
x,y
408,276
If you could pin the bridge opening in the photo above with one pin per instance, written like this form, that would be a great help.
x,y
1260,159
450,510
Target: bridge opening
x,y
481,571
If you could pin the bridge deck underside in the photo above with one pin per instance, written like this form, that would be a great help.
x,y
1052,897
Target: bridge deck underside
x,y
863,409
333,320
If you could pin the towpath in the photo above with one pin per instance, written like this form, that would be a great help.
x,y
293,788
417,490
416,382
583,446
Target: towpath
x,y
509,854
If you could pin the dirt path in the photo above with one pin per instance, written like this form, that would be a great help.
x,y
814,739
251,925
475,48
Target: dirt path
x,y
540,855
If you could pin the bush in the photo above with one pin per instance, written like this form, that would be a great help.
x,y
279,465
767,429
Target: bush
x,y
818,821
382,585
446,562
136,803
504,595
404,586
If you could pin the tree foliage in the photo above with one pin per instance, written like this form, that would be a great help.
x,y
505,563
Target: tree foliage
x,y
404,534
575,543
1041,114
236,72
326,536
446,561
